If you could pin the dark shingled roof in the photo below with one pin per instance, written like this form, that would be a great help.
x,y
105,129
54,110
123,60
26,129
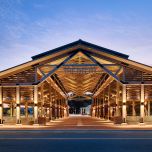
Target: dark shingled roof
x,y
80,42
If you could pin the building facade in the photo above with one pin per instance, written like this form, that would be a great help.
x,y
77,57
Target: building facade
x,y
38,90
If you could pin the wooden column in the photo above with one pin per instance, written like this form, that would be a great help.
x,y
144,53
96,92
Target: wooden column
x,y
57,108
61,108
124,98
50,93
63,105
59,102
1,105
66,113
93,107
18,99
35,104
97,107
148,108
55,104
142,99
133,109
103,104
26,109
117,99
109,102
100,107
42,100
11,109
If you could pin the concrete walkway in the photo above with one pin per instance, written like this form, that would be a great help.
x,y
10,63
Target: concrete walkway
x,y
79,122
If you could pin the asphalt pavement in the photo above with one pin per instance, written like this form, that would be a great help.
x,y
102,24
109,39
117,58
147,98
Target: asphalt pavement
x,y
76,134
75,141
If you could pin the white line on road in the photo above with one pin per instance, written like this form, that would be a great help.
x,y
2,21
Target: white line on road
x,y
75,138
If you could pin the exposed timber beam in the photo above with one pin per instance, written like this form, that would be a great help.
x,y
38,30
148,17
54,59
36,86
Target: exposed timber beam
x,y
120,69
57,67
52,65
49,79
99,83
103,67
104,85
59,83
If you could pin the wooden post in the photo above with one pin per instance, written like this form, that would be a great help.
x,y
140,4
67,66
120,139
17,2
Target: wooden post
x,y
124,98
117,99
26,109
109,102
50,93
1,105
42,100
59,107
18,116
65,107
133,109
103,104
55,105
97,107
142,99
11,109
100,108
35,104
93,107
148,108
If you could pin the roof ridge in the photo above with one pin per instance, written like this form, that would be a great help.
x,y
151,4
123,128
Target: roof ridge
x,y
80,42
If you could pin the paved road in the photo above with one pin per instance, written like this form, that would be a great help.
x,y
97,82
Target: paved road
x,y
76,134
75,141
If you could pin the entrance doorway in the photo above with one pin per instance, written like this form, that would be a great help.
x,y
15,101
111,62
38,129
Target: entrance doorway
x,y
79,106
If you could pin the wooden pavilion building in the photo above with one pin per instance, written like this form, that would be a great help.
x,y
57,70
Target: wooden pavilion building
x,y
40,89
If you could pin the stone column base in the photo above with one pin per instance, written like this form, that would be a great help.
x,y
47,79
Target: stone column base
x,y
1,121
18,122
35,124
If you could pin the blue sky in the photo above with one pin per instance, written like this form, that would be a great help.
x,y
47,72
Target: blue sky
x,y
29,27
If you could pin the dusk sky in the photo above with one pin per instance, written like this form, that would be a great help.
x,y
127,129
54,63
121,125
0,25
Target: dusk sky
x,y
29,27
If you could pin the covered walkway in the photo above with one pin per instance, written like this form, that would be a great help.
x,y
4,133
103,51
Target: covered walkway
x,y
38,92
78,123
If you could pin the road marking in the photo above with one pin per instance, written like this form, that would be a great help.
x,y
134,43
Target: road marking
x,y
77,131
75,138
79,123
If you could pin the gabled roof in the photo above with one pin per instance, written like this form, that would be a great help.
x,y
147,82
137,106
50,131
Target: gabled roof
x,y
80,43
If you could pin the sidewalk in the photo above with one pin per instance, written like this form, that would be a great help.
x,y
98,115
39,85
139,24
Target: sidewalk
x,y
78,123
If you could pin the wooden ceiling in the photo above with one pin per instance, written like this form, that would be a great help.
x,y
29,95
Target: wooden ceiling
x,y
79,75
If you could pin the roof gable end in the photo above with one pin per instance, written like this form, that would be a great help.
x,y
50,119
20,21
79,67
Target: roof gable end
x,y
79,43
